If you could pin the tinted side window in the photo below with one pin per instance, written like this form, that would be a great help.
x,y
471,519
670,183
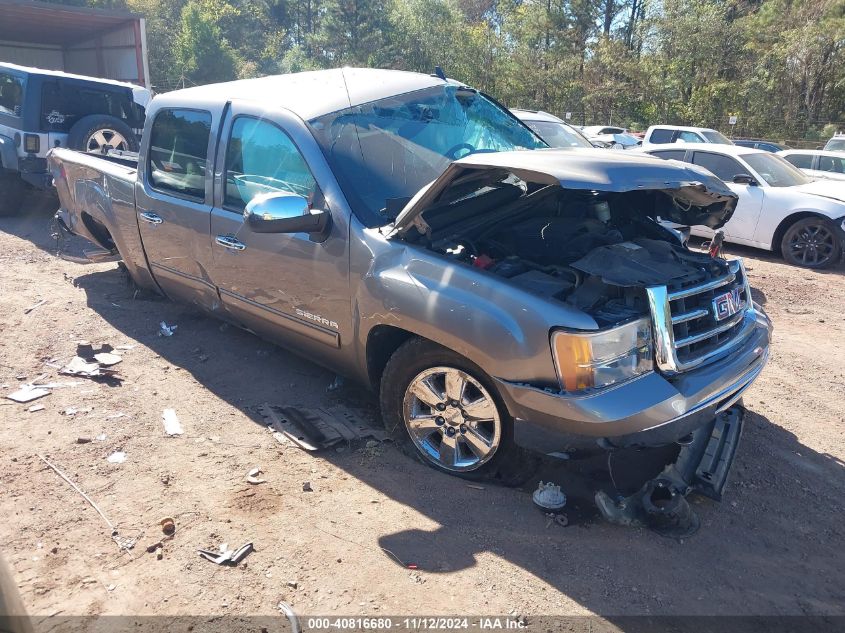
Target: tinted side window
x,y
178,155
671,154
661,136
64,102
802,161
11,93
830,163
261,158
723,167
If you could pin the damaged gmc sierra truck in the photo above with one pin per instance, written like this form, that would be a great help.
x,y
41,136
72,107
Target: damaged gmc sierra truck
x,y
407,231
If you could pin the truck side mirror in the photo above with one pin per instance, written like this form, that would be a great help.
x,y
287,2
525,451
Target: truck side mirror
x,y
745,179
281,212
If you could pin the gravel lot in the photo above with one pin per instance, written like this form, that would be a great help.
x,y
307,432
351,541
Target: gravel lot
x,y
774,546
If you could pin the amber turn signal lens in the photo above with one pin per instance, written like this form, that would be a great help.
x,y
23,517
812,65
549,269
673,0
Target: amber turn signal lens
x,y
574,355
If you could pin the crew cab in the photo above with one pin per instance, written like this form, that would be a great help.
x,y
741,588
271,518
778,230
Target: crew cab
x,y
41,109
408,232
780,208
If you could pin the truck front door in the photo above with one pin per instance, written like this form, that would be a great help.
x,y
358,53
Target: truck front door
x,y
173,203
285,286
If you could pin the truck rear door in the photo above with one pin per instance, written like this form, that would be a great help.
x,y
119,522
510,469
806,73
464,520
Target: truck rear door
x,y
285,286
173,201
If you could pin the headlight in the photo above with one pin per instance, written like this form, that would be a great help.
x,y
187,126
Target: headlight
x,y
591,360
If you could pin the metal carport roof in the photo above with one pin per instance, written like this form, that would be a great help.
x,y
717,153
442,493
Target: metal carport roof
x,y
56,24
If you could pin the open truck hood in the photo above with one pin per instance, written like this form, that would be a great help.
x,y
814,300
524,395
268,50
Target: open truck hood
x,y
699,197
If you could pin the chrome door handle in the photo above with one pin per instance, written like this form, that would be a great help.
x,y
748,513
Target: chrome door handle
x,y
230,242
149,216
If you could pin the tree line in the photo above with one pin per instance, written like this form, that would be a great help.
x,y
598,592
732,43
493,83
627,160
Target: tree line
x,y
777,65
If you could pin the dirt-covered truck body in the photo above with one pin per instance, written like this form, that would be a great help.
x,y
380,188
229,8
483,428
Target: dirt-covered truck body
x,y
409,232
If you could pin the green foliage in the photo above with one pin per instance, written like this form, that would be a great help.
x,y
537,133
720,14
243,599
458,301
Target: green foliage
x,y
779,65
201,54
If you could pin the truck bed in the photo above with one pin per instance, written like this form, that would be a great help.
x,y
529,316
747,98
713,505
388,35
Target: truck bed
x,y
97,201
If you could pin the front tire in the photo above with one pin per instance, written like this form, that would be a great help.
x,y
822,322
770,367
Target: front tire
x,y
811,243
451,413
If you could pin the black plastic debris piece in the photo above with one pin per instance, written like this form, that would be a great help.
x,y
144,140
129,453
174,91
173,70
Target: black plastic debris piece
x,y
702,466
314,429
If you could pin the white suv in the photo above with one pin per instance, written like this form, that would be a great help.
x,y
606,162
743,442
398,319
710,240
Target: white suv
x,y
665,134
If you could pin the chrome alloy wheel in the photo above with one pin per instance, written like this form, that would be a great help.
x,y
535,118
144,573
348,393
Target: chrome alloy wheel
x,y
105,137
452,419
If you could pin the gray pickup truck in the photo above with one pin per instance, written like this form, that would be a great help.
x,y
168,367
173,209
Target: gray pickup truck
x,y
409,232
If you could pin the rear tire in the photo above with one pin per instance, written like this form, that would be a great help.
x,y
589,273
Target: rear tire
x,y
450,413
95,131
12,193
811,243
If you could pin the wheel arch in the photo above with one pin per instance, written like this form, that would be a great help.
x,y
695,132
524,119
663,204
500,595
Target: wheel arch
x,y
787,222
382,342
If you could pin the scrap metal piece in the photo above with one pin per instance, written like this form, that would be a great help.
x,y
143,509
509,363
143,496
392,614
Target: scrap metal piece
x,y
224,555
78,366
28,393
107,358
34,306
126,542
172,426
295,626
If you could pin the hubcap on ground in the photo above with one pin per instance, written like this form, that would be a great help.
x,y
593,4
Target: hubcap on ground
x,y
812,245
105,137
452,419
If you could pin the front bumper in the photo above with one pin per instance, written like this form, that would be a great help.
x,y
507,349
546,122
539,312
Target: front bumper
x,y
651,410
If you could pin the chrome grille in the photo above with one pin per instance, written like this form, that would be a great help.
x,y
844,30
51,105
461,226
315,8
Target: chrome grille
x,y
693,325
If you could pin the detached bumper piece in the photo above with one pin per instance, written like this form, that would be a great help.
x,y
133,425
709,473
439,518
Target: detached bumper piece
x,y
702,466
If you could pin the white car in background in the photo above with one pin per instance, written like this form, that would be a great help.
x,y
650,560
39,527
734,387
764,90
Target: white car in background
x,y
817,163
666,134
836,143
779,209
556,132
612,136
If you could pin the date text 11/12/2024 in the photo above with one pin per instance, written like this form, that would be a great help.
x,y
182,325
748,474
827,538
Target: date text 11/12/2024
x,y
409,623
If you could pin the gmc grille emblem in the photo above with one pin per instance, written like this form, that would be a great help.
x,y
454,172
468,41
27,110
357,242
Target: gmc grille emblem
x,y
728,304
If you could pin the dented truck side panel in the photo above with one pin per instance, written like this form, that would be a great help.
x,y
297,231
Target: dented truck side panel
x,y
330,296
95,191
504,330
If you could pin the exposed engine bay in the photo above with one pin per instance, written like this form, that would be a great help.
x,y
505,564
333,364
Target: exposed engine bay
x,y
596,251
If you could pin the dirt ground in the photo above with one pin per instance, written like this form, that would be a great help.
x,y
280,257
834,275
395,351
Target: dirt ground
x,y
774,546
